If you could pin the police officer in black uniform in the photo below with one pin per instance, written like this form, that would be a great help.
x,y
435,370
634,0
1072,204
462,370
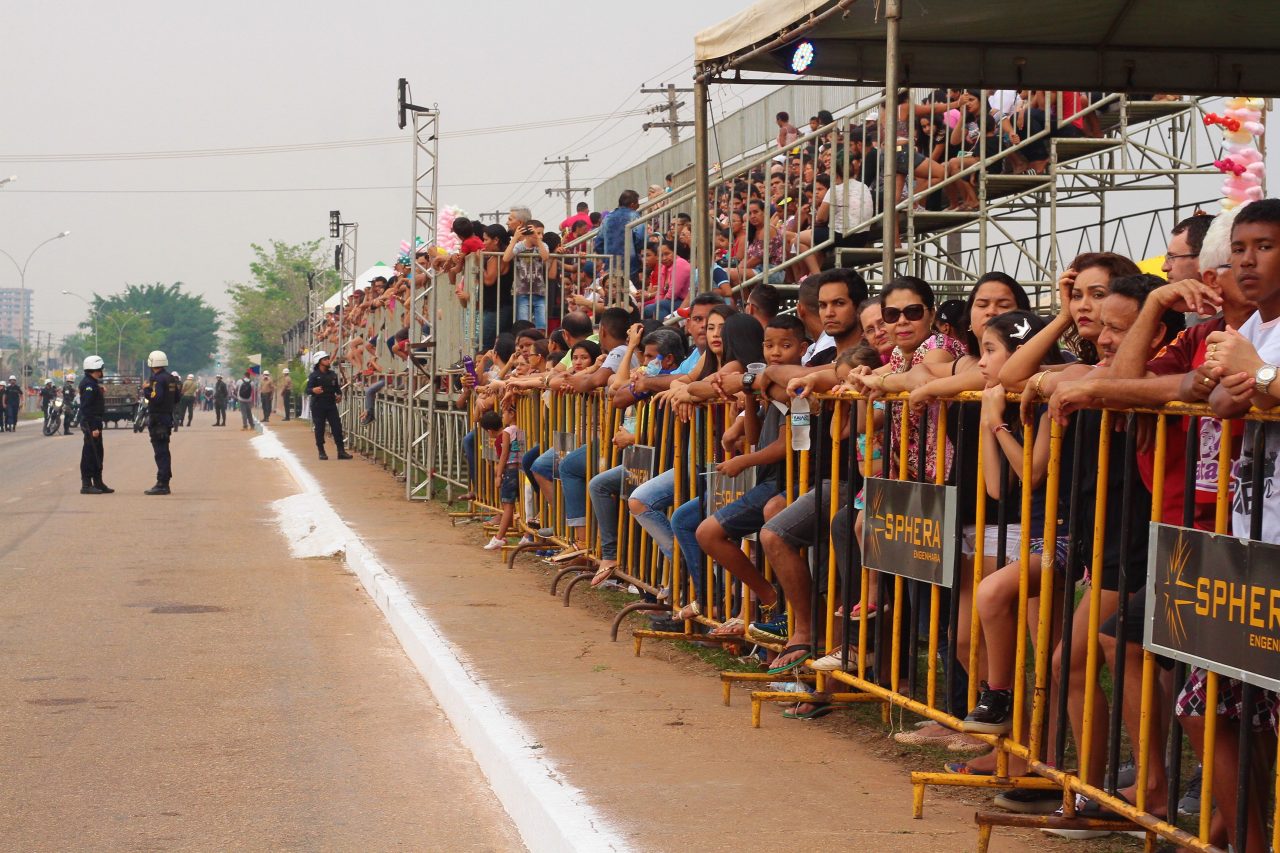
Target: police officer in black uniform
x,y
69,392
47,394
325,392
163,395
92,408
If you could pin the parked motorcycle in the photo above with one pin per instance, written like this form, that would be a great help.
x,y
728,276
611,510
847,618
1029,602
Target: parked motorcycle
x,y
59,411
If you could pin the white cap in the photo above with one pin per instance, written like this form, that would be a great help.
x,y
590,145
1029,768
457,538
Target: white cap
x,y
191,376
286,371
157,358
319,354
12,378
266,373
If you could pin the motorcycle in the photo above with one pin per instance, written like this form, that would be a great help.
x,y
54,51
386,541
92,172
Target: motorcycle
x,y
53,417
58,411
141,420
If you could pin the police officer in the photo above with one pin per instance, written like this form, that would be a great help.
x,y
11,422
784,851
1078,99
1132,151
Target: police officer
x,y
164,392
220,394
92,408
47,393
286,394
326,394
12,402
69,393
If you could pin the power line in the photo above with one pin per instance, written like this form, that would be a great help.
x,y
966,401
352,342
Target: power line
x,y
131,191
299,147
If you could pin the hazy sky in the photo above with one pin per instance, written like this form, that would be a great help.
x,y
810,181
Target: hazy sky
x,y
88,78
85,77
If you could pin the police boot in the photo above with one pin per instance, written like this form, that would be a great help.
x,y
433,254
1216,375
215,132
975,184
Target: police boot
x,y
102,487
343,454
323,455
88,488
158,489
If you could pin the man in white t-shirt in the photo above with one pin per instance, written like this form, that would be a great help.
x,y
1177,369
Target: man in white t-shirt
x,y
1246,363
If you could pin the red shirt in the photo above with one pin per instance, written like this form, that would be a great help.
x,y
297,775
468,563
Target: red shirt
x,y
1182,355
567,225
472,244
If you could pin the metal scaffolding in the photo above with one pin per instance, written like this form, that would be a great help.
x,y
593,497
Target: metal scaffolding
x,y
421,388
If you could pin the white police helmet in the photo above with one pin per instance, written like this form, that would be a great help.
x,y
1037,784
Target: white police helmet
x,y
157,359
93,362
320,354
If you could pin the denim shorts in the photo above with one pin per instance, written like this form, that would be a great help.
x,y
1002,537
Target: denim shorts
x,y
509,489
746,515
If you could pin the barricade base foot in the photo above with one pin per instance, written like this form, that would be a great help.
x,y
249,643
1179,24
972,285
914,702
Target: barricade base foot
x,y
624,612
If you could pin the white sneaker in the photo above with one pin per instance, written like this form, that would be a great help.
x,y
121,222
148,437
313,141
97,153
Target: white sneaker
x,y
527,539
495,544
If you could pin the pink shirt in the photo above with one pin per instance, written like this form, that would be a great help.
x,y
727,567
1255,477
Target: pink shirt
x,y
673,281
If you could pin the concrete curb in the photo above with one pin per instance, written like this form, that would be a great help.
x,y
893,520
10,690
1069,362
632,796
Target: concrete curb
x,y
549,813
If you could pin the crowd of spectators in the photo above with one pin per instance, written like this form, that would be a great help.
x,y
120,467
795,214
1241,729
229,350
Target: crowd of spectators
x,y
1120,339
562,313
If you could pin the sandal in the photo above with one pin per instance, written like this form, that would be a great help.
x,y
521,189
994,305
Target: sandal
x,y
962,768
799,647
734,627
816,710
692,610
603,573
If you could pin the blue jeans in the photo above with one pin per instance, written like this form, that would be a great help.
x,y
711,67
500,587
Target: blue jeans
x,y
488,329
684,523
658,310
657,495
526,461
469,451
605,489
532,306
573,485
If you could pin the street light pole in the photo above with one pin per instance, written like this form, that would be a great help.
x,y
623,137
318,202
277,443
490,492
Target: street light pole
x,y
120,327
92,308
22,300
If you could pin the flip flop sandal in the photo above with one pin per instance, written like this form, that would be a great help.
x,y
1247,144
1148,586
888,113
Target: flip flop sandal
x,y
602,574
692,610
732,628
808,649
818,709
962,768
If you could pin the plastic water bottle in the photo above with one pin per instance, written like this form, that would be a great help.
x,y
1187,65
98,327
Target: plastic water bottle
x,y
800,423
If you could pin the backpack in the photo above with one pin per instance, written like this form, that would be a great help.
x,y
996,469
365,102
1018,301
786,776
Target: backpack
x,y
245,390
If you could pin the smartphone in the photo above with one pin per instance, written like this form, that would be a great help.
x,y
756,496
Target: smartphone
x,y
469,365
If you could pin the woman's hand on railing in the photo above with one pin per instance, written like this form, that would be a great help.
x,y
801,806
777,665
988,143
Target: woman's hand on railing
x,y
1068,398
622,439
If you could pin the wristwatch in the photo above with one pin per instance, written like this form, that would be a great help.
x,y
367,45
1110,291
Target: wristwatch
x,y
749,382
1263,378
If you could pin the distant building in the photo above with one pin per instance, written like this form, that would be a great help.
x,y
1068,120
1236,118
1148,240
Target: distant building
x,y
15,313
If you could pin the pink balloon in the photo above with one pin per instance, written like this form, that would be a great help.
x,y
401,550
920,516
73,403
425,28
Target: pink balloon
x,y
1255,127
951,117
1253,194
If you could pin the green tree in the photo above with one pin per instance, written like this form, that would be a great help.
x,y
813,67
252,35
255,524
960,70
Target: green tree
x,y
275,298
73,350
179,323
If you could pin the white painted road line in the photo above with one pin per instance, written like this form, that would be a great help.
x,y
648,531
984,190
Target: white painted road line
x,y
550,813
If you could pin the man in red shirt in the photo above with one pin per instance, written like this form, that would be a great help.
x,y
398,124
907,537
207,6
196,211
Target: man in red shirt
x,y
583,215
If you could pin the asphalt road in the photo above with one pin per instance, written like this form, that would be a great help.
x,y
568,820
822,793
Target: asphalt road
x,y
171,679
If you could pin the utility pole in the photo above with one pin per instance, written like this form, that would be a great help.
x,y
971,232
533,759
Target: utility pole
x,y
672,108
495,215
569,189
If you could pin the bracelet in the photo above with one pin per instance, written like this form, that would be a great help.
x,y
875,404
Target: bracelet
x,y
1003,428
1039,379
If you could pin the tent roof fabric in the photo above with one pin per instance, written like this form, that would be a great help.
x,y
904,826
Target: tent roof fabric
x,y
1178,46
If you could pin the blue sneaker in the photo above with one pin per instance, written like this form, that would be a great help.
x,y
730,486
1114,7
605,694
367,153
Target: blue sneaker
x,y
773,631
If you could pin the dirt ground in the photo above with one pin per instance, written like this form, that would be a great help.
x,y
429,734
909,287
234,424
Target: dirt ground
x,y
648,739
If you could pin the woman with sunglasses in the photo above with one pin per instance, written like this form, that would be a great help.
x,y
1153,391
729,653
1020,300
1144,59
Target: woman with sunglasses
x,y
907,306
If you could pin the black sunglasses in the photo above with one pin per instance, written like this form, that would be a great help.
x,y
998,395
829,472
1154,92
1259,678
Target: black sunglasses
x,y
913,312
